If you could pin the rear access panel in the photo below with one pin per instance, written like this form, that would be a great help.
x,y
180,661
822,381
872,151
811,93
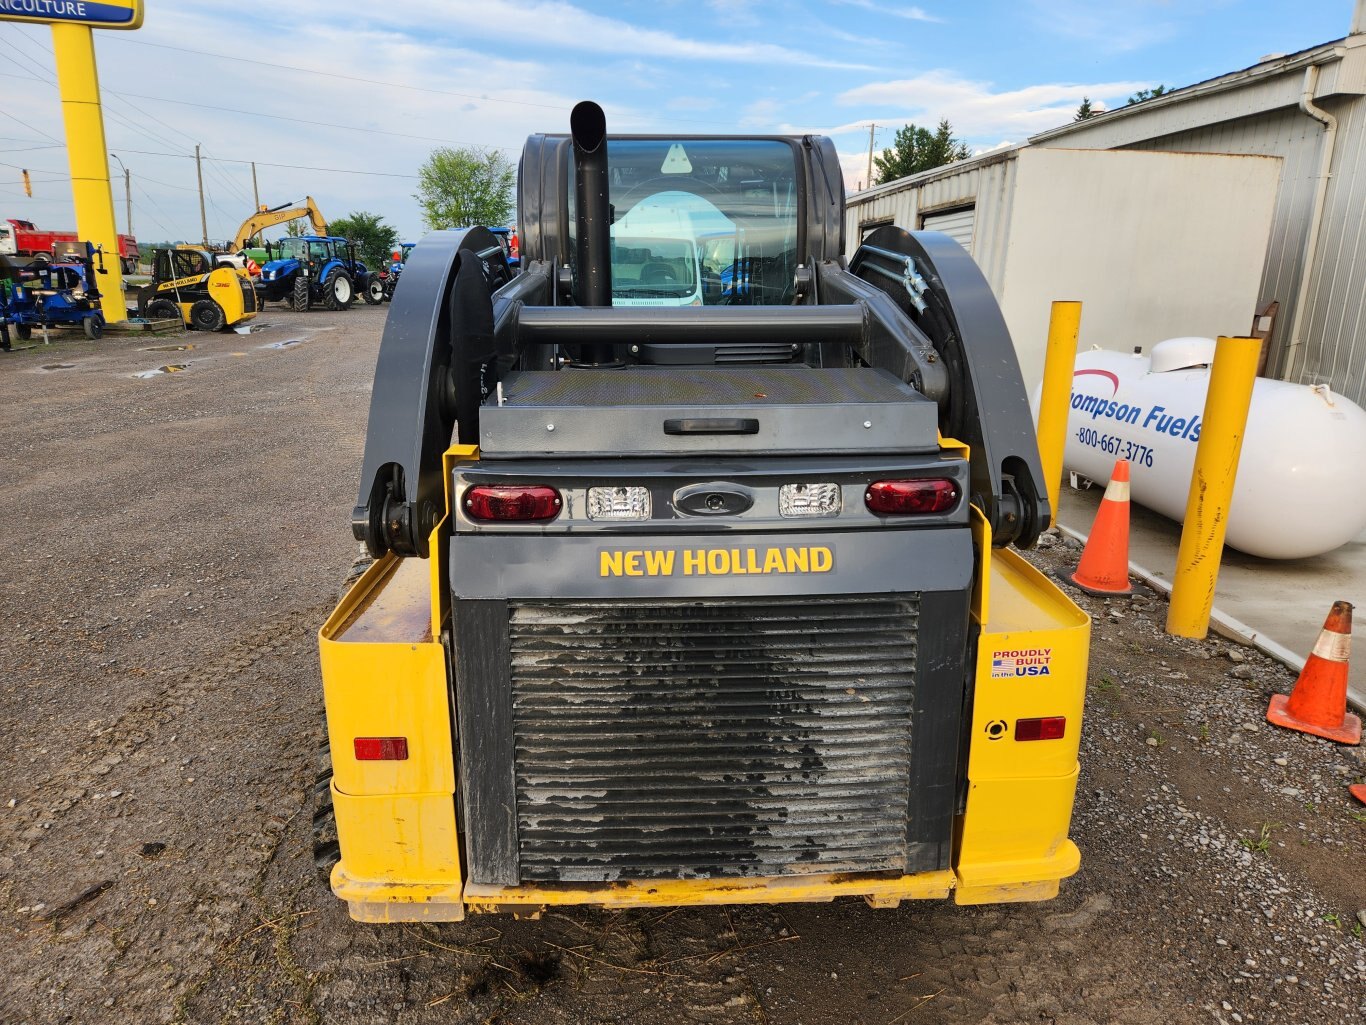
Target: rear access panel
x,y
647,728
638,410
733,738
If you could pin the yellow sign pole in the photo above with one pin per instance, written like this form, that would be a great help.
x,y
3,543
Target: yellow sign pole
x,y
1055,402
79,82
1216,470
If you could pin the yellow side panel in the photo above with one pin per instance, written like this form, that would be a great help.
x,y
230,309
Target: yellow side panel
x,y
384,675
399,857
1031,663
225,290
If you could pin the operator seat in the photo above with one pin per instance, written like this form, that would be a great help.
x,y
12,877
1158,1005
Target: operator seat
x,y
658,274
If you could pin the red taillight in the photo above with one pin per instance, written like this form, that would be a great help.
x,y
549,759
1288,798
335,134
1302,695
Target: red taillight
x,y
895,497
1051,728
381,749
515,502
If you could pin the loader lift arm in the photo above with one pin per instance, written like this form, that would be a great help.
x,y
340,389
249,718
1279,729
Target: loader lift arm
x,y
428,380
269,217
913,304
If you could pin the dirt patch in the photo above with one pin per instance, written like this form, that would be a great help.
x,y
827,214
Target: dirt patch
x,y
162,712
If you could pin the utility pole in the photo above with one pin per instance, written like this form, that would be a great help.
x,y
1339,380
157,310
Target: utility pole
x,y
872,129
203,217
254,190
127,193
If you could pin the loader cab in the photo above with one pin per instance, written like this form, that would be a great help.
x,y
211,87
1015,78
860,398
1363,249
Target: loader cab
x,y
747,199
177,264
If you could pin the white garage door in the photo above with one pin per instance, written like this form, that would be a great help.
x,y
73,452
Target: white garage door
x,y
957,224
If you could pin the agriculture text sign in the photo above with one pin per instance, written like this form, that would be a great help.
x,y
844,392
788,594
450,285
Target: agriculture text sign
x,y
104,14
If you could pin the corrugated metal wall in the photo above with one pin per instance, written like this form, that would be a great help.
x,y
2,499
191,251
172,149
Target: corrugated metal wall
x,y
1334,334
987,186
1295,138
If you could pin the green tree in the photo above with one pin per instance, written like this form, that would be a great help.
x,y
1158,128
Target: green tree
x,y
458,188
918,149
1147,94
1086,110
295,227
374,239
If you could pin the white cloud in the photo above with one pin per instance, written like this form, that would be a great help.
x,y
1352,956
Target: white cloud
x,y
976,109
570,28
908,13
1115,27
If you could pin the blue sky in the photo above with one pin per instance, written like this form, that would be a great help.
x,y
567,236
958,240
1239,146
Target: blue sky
x,y
489,72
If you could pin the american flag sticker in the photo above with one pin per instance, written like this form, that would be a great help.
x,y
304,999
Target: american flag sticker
x,y
1021,662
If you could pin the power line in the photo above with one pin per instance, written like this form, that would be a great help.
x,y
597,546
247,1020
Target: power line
x,y
304,121
483,98
30,127
246,113
266,163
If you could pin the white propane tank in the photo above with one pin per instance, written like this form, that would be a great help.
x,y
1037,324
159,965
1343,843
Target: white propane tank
x,y
1301,487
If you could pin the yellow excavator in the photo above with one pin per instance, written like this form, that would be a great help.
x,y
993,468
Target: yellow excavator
x,y
268,217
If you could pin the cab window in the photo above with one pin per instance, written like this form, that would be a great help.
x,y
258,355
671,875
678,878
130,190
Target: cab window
x,y
188,263
722,210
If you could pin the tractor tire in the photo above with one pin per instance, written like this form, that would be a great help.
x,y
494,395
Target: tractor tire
x,y
373,293
93,327
23,331
129,266
299,299
164,309
338,290
207,315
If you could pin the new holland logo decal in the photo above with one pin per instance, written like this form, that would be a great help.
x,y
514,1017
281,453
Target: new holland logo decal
x,y
697,562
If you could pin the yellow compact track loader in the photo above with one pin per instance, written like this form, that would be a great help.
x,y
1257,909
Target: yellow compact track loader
x,y
693,578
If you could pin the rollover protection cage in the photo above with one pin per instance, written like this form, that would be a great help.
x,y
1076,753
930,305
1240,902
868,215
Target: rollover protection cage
x,y
692,581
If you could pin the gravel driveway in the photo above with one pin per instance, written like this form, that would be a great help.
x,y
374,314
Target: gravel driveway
x,y
174,539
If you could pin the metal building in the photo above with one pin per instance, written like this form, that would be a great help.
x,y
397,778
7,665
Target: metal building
x,y
1308,109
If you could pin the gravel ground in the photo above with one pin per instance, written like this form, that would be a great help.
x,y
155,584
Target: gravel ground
x,y
173,543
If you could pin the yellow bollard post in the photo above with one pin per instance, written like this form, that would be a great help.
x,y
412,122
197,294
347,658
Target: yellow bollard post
x,y
1216,469
78,80
1055,403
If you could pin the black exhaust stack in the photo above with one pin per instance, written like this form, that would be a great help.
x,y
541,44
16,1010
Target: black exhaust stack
x,y
592,230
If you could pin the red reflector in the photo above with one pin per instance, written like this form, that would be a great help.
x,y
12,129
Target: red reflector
x,y
1051,728
892,497
381,749
520,502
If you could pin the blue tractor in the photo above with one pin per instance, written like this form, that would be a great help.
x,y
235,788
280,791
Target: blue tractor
x,y
389,277
314,270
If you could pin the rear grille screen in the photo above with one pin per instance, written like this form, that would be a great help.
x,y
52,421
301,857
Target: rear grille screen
x,y
698,740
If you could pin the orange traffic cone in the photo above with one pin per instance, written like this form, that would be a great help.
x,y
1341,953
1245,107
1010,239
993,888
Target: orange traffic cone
x,y
1318,702
1358,790
1104,565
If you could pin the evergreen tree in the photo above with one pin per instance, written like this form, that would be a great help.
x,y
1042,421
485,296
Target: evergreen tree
x,y
918,149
